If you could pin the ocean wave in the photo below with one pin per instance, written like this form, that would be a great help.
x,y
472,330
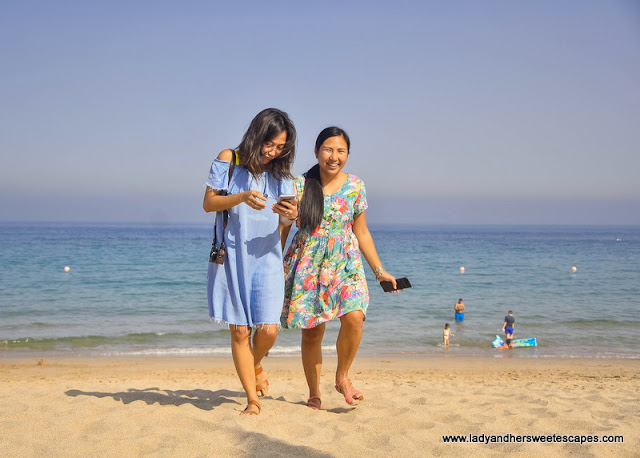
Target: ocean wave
x,y
293,350
97,340
601,323
11,327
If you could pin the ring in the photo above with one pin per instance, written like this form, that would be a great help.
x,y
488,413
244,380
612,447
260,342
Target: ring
x,y
286,212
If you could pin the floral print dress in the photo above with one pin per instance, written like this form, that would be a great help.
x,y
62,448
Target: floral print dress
x,y
324,275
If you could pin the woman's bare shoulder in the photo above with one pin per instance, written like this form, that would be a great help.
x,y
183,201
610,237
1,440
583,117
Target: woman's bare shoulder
x,y
225,155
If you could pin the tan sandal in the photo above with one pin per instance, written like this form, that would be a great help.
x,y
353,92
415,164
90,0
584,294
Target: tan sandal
x,y
251,412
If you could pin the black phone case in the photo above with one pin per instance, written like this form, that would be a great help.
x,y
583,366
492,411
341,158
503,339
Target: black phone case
x,y
402,283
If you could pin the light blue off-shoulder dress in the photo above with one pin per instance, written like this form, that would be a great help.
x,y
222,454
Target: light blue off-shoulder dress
x,y
248,289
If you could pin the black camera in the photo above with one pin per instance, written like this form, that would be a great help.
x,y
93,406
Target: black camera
x,y
222,251
213,254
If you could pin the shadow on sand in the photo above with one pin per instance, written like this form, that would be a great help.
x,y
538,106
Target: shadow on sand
x,y
334,410
253,442
202,399
258,444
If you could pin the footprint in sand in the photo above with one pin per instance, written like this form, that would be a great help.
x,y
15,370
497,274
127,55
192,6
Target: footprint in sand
x,y
420,401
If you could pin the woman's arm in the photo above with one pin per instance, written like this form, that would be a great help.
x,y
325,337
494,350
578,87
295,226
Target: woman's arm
x,y
288,211
287,218
214,202
284,231
368,248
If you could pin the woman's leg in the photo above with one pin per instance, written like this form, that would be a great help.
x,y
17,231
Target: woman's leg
x,y
263,339
243,360
347,345
311,348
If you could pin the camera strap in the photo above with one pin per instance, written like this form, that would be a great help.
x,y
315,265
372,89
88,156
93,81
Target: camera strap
x,y
225,213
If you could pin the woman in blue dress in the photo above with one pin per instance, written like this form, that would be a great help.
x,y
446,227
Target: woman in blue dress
x,y
247,290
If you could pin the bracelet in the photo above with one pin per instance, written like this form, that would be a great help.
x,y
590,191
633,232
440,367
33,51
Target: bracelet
x,y
378,272
287,221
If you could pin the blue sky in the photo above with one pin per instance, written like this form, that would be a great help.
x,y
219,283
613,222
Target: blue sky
x,y
459,112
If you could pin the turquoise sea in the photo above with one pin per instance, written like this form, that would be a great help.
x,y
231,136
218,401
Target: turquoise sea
x,y
140,290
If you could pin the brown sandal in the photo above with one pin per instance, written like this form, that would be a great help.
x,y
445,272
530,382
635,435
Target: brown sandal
x,y
255,403
261,386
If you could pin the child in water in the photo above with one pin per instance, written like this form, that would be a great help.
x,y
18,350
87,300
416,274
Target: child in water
x,y
506,346
446,333
508,325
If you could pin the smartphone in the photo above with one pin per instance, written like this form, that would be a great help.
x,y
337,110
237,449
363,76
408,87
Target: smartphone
x,y
402,283
287,197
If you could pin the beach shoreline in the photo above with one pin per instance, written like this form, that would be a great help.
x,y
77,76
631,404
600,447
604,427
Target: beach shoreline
x,y
146,294
163,406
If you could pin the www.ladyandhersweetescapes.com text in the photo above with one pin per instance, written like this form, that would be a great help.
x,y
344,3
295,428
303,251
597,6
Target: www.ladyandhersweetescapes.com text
x,y
524,438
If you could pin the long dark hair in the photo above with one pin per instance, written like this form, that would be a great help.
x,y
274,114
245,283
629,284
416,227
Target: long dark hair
x,y
312,203
267,125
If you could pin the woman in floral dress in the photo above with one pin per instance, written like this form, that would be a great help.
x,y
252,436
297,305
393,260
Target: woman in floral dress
x,y
324,275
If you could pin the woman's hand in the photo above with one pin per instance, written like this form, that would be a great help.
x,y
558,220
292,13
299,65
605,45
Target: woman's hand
x,y
386,276
254,199
286,208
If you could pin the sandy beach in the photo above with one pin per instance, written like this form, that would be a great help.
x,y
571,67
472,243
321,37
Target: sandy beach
x,y
190,407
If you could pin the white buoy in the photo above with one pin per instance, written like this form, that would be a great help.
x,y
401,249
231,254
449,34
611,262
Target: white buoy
x,y
461,270
67,268
574,268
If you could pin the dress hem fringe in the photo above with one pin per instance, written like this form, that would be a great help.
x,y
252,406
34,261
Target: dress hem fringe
x,y
256,325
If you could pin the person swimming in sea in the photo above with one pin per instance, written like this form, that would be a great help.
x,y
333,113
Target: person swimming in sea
x,y
459,309
446,333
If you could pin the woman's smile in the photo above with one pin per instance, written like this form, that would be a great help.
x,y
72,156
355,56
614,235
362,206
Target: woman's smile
x,y
332,154
273,148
